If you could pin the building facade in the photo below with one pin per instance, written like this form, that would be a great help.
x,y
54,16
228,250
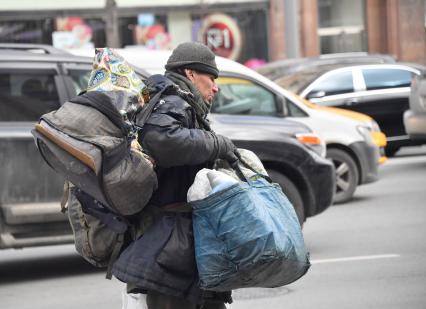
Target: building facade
x,y
242,30
395,27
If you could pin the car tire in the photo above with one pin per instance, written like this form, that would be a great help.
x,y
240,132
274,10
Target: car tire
x,y
291,191
347,175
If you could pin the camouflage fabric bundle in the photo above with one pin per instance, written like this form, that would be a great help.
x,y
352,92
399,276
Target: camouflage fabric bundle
x,y
112,73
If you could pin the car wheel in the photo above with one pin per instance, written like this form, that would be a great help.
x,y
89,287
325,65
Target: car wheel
x,y
292,193
347,175
391,151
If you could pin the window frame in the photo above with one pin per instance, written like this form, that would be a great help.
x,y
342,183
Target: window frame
x,y
31,68
68,81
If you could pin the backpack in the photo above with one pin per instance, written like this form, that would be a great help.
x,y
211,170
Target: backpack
x,y
99,234
92,142
89,143
108,182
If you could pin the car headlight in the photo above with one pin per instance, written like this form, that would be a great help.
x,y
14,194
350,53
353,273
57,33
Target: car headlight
x,y
313,142
373,126
365,132
370,131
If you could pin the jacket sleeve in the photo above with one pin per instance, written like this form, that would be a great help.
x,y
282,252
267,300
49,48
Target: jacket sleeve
x,y
168,137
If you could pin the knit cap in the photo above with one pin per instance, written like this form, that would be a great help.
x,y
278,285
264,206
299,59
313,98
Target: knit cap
x,y
195,56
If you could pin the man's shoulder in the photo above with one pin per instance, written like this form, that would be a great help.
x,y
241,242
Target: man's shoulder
x,y
172,102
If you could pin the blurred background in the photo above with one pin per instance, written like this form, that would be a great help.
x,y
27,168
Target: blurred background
x,y
349,72
248,31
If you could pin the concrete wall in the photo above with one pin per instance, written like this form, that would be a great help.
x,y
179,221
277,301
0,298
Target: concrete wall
x,y
397,27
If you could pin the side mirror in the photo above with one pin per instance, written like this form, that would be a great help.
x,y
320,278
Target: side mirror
x,y
282,109
316,95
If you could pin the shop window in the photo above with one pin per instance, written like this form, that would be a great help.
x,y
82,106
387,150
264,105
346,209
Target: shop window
x,y
253,45
27,96
147,30
38,31
341,26
77,32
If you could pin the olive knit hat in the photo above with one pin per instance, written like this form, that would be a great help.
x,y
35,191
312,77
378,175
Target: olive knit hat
x,y
195,56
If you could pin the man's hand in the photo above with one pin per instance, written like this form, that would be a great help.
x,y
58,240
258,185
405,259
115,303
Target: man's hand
x,y
227,150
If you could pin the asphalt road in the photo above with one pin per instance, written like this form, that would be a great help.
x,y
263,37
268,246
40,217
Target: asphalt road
x,y
369,253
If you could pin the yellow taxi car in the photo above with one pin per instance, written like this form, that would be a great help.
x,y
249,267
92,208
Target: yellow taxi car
x,y
377,135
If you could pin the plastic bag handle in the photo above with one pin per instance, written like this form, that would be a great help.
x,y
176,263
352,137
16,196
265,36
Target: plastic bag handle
x,y
236,166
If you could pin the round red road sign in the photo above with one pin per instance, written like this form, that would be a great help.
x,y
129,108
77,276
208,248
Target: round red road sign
x,y
222,35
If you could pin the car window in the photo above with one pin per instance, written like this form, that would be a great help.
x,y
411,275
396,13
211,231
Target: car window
x,y
239,96
386,78
25,96
336,83
80,79
293,110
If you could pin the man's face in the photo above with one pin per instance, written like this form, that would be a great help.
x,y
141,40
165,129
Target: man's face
x,y
205,84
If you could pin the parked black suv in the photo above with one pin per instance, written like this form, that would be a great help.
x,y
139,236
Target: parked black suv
x,y
33,83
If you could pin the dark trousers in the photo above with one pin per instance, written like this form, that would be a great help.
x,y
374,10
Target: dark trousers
x,y
156,300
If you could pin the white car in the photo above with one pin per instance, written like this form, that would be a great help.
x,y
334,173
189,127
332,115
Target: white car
x,y
244,92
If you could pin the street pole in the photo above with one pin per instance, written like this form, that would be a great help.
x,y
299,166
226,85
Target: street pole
x,y
277,46
111,21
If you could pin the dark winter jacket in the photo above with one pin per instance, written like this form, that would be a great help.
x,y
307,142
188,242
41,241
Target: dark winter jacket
x,y
163,258
179,146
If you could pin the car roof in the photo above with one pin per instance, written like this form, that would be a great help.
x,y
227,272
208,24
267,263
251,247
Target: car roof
x,y
300,79
275,69
35,48
21,55
57,55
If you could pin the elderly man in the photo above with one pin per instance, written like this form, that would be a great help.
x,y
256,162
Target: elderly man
x,y
178,137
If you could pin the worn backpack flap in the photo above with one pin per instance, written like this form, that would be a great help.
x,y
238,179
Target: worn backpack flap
x,y
93,181
104,106
92,99
113,221
109,111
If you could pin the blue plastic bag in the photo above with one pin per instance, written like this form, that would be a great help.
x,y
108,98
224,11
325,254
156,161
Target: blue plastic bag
x,y
248,235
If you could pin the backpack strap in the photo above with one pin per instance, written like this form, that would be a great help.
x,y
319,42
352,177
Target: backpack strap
x,y
145,113
65,196
115,222
91,206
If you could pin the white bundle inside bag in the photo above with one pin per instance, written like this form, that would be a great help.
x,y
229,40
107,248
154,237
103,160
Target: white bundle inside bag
x,y
210,181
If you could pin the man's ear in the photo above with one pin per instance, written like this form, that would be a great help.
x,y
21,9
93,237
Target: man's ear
x,y
189,74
